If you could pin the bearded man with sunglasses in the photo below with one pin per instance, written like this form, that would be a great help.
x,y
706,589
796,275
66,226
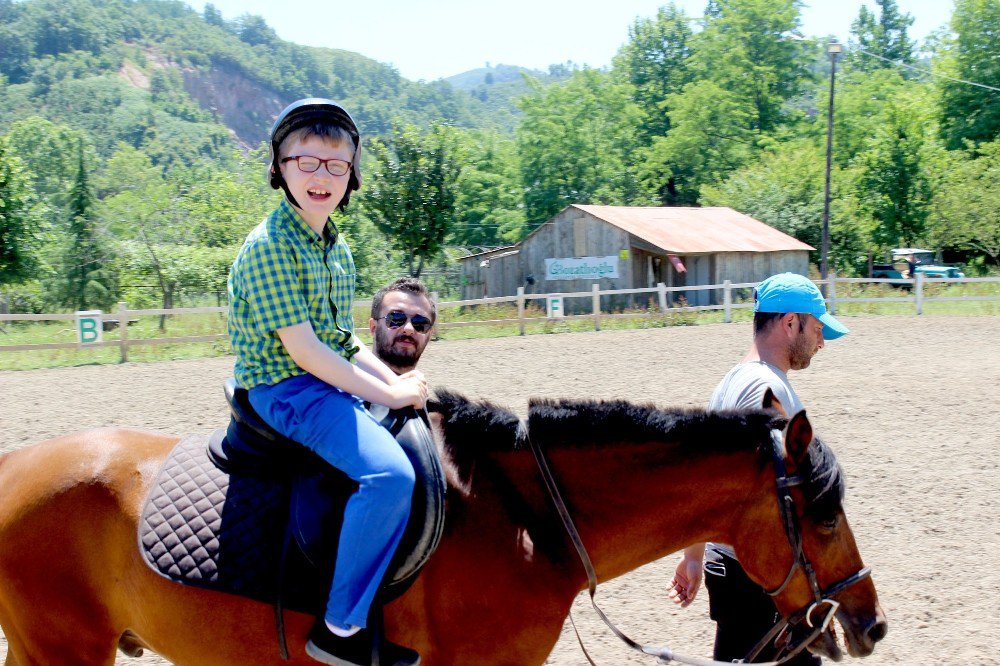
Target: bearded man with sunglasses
x,y
401,321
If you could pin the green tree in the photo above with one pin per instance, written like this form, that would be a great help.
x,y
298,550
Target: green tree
x,y
784,189
213,16
894,184
16,225
254,30
577,144
746,50
970,113
88,279
47,150
489,201
885,37
862,102
145,212
222,203
710,137
16,50
965,213
655,61
411,195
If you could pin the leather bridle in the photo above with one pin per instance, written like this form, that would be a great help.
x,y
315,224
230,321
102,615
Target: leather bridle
x,y
821,598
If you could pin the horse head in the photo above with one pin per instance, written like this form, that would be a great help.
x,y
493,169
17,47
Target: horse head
x,y
825,577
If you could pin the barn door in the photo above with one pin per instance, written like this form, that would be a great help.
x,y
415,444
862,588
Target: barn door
x,y
698,272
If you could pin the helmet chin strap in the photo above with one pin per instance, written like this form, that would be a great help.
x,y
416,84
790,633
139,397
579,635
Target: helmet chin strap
x,y
288,194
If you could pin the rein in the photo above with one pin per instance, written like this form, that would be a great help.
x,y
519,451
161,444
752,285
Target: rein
x,y
664,654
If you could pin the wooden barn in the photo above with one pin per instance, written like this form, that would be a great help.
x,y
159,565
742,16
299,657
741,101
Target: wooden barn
x,y
626,247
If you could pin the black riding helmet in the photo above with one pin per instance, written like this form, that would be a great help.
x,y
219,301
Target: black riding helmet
x,y
308,112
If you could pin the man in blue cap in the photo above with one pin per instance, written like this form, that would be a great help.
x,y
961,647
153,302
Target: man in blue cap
x,y
790,324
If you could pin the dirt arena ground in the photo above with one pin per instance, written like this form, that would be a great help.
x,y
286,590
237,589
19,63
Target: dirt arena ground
x,y
909,404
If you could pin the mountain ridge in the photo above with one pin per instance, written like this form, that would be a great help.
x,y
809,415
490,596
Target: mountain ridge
x,y
149,72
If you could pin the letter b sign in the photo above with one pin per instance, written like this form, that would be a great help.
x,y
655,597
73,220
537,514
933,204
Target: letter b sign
x,y
88,327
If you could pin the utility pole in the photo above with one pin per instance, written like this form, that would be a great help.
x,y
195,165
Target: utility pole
x,y
833,49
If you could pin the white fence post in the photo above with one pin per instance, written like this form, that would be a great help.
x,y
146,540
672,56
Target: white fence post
x,y
832,291
661,292
123,330
596,304
520,309
727,300
918,296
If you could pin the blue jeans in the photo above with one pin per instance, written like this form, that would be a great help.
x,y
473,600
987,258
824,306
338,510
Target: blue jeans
x,y
335,425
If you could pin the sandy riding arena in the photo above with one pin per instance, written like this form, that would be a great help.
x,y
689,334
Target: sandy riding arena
x,y
909,404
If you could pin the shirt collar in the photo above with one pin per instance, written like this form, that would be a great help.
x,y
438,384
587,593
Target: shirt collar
x,y
300,228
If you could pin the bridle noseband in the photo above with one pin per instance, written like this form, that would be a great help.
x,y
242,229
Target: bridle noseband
x,y
793,530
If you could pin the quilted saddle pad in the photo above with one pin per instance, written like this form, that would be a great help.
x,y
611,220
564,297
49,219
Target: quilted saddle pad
x,y
202,526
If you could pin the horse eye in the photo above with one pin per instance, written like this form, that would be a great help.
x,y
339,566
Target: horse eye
x,y
829,525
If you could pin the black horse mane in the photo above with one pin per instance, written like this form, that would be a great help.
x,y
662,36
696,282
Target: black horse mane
x,y
473,430
824,482
598,423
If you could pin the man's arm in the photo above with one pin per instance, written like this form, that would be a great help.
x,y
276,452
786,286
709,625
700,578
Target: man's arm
x,y
310,354
688,575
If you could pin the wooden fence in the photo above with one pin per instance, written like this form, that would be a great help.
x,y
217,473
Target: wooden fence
x,y
916,296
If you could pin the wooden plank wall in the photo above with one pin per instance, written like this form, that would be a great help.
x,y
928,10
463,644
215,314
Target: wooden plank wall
x,y
755,266
574,233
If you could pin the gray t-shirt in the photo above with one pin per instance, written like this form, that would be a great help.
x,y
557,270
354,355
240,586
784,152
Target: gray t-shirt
x,y
743,387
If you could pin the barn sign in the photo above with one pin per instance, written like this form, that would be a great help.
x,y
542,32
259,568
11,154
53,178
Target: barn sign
x,y
581,268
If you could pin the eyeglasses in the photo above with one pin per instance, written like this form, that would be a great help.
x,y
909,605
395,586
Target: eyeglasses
x,y
310,164
397,319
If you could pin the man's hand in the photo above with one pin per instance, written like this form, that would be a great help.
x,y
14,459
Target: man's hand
x,y
687,577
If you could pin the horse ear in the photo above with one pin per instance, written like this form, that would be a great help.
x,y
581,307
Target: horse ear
x,y
771,401
798,437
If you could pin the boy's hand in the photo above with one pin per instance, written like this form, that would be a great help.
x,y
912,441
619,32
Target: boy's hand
x,y
411,389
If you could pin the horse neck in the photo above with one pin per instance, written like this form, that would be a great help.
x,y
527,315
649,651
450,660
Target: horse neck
x,y
636,502
505,560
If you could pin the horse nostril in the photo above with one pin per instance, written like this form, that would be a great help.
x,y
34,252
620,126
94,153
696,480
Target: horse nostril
x,y
877,631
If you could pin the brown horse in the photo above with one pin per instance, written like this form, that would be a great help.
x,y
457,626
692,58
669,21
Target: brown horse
x,y
640,483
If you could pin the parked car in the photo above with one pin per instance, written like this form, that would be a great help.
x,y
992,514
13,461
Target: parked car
x,y
922,261
888,271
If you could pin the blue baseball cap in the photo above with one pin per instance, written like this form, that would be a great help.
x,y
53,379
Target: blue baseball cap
x,y
790,292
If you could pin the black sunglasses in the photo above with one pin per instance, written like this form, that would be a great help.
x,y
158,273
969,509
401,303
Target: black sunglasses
x,y
397,319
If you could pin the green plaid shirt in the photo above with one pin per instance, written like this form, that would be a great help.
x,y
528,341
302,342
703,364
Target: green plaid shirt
x,y
286,274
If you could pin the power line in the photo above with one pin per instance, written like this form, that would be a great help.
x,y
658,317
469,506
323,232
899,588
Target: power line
x,y
925,71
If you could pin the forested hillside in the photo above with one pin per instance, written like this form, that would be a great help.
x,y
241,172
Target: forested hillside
x,y
130,134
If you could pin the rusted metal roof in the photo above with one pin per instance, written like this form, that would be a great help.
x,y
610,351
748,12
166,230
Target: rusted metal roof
x,y
696,230
495,252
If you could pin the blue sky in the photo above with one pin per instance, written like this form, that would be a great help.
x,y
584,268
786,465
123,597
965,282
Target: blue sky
x,y
433,39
